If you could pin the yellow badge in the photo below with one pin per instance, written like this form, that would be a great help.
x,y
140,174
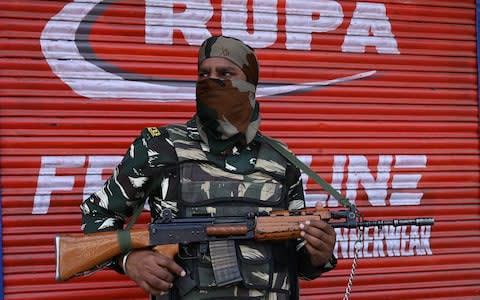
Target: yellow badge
x,y
154,131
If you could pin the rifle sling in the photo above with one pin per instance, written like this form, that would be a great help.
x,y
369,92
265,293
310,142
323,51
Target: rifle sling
x,y
298,163
124,241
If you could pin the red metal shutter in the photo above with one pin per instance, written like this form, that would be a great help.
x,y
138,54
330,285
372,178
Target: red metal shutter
x,y
379,97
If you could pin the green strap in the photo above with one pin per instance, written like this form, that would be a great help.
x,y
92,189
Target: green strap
x,y
124,241
293,159
136,213
123,235
156,182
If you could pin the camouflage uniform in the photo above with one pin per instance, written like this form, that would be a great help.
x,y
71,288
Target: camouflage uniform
x,y
196,169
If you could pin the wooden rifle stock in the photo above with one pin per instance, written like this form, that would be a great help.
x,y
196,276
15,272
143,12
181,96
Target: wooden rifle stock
x,y
78,253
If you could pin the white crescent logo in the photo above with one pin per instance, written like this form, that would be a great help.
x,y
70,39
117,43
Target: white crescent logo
x,y
98,79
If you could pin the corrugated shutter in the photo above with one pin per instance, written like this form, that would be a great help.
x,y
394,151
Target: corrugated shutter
x,y
393,124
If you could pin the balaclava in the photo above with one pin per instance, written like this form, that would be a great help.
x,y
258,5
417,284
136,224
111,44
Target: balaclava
x,y
227,112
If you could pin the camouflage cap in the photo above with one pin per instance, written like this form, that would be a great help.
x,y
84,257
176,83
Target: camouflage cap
x,y
234,50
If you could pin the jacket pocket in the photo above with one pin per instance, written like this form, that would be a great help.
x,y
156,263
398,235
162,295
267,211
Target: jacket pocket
x,y
255,264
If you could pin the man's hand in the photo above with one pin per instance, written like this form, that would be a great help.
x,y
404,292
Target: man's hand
x,y
320,240
152,271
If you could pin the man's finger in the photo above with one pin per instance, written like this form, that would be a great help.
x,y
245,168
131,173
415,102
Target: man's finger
x,y
170,265
159,278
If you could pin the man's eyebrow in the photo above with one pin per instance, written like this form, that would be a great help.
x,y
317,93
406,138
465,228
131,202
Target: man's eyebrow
x,y
230,69
226,68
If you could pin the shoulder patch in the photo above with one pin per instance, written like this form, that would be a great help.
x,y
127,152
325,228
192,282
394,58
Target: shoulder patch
x,y
154,131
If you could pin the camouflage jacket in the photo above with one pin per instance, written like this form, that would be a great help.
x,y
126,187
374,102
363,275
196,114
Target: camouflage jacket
x,y
153,156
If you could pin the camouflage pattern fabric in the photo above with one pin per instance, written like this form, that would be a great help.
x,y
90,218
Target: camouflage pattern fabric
x,y
152,158
212,189
204,182
227,111
234,50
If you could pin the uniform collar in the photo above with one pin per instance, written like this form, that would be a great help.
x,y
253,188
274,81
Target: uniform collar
x,y
192,130
194,134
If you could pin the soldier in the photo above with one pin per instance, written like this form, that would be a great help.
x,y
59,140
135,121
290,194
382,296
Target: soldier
x,y
215,164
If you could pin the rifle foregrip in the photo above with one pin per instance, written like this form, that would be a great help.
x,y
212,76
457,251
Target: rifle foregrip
x,y
282,227
226,230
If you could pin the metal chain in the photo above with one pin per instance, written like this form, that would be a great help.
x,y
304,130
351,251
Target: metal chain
x,y
348,289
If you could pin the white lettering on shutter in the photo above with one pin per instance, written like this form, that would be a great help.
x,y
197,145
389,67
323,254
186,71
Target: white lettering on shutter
x,y
161,20
96,165
370,26
300,23
265,19
48,182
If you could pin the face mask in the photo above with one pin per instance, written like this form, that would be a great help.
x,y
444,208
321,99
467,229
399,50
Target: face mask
x,y
227,111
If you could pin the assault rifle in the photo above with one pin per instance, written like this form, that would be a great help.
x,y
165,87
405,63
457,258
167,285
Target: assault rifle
x,y
78,253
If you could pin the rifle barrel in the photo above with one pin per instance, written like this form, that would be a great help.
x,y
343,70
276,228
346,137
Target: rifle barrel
x,y
381,223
